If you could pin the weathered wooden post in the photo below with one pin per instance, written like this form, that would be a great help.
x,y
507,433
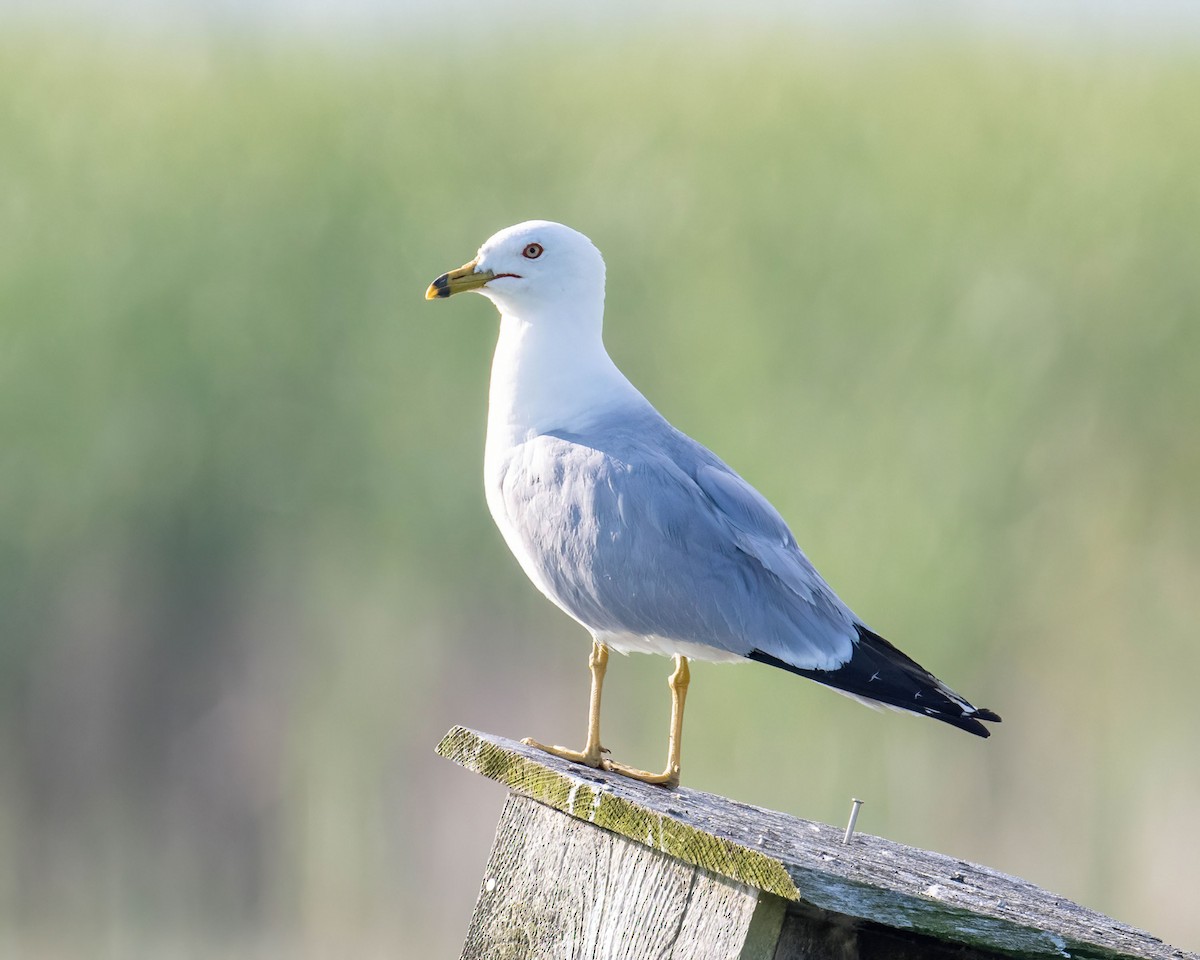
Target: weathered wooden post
x,y
590,865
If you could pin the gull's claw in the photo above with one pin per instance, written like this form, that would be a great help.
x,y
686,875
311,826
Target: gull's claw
x,y
668,778
587,758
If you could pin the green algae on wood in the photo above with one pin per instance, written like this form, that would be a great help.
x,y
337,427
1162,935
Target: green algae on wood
x,y
594,801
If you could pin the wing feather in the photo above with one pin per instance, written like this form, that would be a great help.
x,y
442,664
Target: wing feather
x,y
642,531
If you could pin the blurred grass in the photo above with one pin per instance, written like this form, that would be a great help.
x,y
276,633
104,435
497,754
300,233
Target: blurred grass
x,y
939,301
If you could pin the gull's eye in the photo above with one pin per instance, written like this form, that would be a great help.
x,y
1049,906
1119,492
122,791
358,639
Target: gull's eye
x,y
532,251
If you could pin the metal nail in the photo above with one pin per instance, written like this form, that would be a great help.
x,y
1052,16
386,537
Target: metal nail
x,y
853,820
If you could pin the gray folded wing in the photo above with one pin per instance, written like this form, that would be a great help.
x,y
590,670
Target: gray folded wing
x,y
634,528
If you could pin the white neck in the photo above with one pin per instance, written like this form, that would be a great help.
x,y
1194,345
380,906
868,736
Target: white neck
x,y
551,373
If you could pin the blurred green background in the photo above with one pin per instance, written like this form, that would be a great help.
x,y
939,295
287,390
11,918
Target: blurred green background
x,y
938,298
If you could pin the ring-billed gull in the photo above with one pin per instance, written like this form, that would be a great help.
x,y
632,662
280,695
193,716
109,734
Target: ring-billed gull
x,y
634,529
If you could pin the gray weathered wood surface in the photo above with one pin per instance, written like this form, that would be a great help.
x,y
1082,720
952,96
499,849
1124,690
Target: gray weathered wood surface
x,y
874,888
552,889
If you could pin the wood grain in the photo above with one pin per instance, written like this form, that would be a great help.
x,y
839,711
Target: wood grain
x,y
554,889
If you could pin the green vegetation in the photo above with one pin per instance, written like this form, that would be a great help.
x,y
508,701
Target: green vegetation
x,y
941,304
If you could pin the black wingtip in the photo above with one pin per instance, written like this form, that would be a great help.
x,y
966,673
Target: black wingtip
x,y
879,672
967,723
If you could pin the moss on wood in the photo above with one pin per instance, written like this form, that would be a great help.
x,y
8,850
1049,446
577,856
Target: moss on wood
x,y
593,801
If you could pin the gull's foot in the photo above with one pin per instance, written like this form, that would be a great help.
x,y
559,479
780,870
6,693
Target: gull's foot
x,y
668,778
589,758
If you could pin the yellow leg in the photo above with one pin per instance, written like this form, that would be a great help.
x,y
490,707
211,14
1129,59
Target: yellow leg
x,y
590,754
678,683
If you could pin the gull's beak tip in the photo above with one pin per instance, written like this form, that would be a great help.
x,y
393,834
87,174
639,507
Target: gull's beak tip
x,y
465,277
